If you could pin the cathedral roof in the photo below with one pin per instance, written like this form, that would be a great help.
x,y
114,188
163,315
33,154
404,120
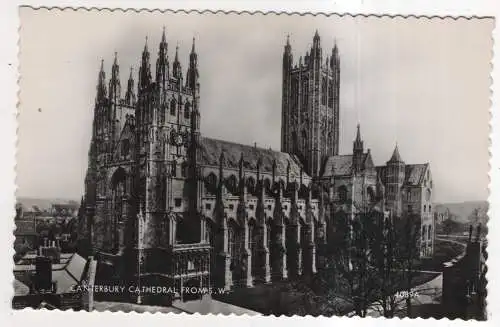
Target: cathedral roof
x,y
211,150
341,165
414,174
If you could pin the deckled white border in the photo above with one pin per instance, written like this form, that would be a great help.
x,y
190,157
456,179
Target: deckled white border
x,y
9,23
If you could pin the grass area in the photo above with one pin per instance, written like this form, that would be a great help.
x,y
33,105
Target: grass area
x,y
286,298
443,252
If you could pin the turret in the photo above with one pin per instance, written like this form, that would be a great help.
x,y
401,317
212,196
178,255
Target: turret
x,y
101,85
176,67
114,82
285,100
316,47
192,73
395,181
162,64
287,55
130,94
335,56
357,151
145,69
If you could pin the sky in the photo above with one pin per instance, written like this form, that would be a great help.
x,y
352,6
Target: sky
x,y
420,83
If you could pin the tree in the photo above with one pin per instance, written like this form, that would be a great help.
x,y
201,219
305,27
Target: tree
x,y
409,250
354,258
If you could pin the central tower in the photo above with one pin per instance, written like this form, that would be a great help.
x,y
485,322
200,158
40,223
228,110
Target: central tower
x,y
310,106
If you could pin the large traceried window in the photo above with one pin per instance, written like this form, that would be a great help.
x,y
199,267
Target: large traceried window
x,y
211,184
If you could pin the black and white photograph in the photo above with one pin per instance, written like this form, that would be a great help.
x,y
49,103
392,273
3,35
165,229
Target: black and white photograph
x,y
250,163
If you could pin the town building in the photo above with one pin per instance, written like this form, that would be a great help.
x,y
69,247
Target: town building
x,y
49,278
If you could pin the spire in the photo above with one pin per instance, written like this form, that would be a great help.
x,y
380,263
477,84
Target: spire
x,y
396,157
316,36
176,68
101,84
287,55
358,142
192,73
129,95
145,70
316,40
358,152
114,82
335,54
288,47
162,61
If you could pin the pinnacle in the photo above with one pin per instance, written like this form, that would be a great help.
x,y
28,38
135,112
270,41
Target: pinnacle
x,y
396,157
146,45
358,134
177,52
163,37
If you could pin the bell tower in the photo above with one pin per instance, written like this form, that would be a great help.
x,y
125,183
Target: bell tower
x,y
310,106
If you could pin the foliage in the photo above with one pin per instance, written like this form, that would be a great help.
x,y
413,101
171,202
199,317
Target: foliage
x,y
374,258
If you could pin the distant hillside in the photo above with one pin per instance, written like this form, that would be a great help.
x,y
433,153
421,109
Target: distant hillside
x,y
43,204
462,211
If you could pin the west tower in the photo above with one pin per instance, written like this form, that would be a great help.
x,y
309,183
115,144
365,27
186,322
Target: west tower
x,y
310,106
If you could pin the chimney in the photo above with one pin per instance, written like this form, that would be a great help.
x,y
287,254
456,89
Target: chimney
x,y
43,274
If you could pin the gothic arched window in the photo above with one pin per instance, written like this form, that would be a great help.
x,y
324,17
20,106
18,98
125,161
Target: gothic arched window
x,y
295,142
173,107
342,193
233,241
161,115
211,183
250,185
305,93
125,147
184,169
324,92
252,243
231,184
330,95
174,168
187,110
370,194
269,235
304,142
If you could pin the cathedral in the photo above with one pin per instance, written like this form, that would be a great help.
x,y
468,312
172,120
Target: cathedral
x,y
166,205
